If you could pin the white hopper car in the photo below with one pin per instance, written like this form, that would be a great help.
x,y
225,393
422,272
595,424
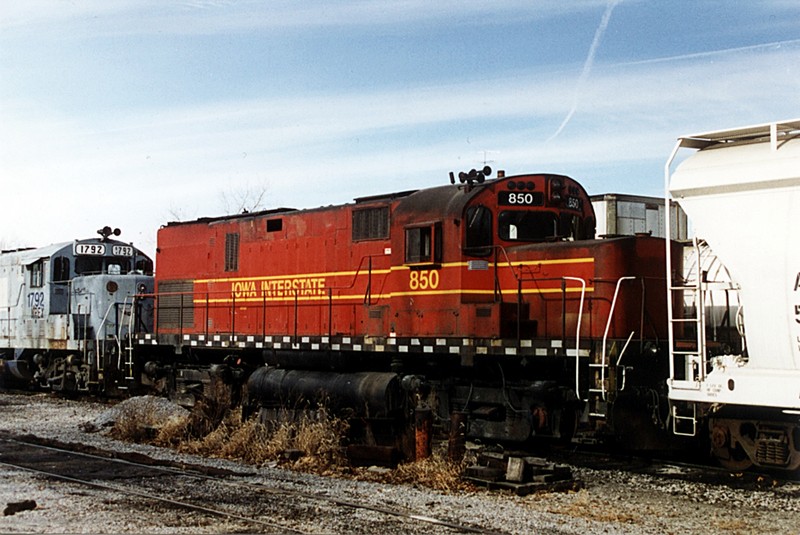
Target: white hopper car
x,y
741,192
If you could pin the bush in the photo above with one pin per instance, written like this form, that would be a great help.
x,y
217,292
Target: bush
x,y
314,439
310,441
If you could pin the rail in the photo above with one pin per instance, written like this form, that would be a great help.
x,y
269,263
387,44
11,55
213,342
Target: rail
x,y
518,274
9,321
174,303
180,309
120,309
100,337
577,329
133,317
603,364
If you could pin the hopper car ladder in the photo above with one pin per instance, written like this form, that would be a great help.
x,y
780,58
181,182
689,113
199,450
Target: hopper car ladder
x,y
689,362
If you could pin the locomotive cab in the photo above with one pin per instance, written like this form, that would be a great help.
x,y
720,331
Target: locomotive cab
x,y
69,312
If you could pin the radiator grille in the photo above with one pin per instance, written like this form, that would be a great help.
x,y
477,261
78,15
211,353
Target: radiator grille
x,y
175,307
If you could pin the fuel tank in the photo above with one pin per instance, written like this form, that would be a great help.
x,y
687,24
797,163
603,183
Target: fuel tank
x,y
368,394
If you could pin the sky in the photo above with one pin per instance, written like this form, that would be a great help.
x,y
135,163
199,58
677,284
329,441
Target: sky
x,y
134,113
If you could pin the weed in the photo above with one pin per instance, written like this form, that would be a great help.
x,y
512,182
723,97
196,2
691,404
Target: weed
x,y
304,440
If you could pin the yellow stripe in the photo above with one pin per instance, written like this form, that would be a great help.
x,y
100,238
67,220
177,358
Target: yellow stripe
x,y
298,276
360,297
587,260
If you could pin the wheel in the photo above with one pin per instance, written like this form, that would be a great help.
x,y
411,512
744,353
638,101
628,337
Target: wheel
x,y
734,459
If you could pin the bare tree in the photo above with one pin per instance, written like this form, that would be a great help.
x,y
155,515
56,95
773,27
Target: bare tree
x,y
9,244
179,213
247,198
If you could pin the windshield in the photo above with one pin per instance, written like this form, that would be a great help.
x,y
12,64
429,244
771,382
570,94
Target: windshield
x,y
85,265
526,225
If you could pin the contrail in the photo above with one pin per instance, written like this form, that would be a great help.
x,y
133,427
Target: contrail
x,y
587,66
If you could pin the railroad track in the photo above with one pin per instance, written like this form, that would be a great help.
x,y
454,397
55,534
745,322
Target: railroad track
x,y
698,471
211,493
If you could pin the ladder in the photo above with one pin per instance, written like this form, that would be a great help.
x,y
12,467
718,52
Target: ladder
x,y
689,361
688,357
126,349
601,381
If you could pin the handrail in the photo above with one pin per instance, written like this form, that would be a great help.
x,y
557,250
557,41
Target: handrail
x,y
364,258
507,260
605,335
99,333
9,307
365,267
668,246
578,334
132,319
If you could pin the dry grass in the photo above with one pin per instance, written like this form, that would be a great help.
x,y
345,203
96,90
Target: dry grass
x,y
731,526
309,441
436,472
141,421
313,441
584,506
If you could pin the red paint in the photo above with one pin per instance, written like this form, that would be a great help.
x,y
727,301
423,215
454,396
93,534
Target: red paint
x,y
301,272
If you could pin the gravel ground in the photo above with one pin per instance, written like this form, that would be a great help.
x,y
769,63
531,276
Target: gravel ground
x,y
611,502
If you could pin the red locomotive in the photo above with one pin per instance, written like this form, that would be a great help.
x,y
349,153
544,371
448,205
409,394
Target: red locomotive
x,y
488,297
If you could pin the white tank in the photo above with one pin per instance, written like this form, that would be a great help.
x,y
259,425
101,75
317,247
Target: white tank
x,y
741,192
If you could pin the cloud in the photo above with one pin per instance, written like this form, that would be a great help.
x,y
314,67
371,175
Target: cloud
x,y
74,174
587,65
230,132
124,17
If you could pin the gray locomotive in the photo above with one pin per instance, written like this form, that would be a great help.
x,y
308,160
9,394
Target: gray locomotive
x,y
68,312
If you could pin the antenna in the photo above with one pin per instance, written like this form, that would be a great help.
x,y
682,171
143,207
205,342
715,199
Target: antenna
x,y
486,161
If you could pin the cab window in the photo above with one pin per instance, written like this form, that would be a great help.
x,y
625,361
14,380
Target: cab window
x,y
87,265
61,269
424,244
479,235
37,274
527,226
144,266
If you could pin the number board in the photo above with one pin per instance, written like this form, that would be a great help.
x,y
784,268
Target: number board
x,y
574,203
93,249
122,250
520,198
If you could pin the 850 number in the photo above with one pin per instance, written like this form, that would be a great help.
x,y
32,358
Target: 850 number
x,y
423,279
521,198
